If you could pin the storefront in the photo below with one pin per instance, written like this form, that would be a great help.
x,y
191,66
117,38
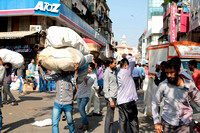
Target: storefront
x,y
28,43
56,10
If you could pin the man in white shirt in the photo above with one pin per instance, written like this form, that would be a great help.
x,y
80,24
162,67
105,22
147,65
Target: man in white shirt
x,y
127,96
83,94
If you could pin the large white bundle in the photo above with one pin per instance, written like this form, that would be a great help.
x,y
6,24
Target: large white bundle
x,y
60,59
58,37
83,68
8,56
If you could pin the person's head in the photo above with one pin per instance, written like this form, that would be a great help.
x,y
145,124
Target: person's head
x,y
139,64
172,70
136,65
91,67
177,60
158,66
32,61
162,65
8,67
124,63
111,63
192,64
65,73
123,56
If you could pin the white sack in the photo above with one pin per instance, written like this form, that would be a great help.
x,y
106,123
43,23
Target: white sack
x,y
89,58
60,59
46,122
15,85
58,37
8,56
83,68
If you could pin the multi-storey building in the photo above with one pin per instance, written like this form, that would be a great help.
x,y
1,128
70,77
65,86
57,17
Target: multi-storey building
x,y
142,48
194,19
154,28
24,22
155,21
175,22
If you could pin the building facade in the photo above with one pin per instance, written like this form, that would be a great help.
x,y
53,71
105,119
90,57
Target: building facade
x,y
155,21
28,19
194,19
154,28
124,49
175,22
142,48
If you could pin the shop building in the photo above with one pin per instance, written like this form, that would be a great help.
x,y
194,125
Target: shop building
x,y
155,21
194,19
24,23
175,23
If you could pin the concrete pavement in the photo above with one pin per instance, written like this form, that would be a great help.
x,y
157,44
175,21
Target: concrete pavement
x,y
37,106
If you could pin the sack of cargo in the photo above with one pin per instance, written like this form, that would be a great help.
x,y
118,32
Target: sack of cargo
x,y
8,56
59,37
60,59
83,68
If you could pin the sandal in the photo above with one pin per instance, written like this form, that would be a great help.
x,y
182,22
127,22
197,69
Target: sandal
x,y
80,127
85,127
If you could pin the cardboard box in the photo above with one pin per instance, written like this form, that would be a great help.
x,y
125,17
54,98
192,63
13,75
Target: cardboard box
x,y
27,87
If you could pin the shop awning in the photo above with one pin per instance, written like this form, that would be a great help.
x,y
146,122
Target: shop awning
x,y
88,41
16,34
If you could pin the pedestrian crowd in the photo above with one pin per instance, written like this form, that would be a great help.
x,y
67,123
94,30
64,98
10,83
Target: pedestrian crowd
x,y
118,83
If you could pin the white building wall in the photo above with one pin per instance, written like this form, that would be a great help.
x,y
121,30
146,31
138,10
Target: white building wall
x,y
155,26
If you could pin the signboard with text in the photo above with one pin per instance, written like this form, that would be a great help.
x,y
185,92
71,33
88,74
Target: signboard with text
x,y
185,51
173,24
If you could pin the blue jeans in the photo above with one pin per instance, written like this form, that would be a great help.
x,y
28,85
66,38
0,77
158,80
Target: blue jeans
x,y
42,84
57,111
82,102
21,84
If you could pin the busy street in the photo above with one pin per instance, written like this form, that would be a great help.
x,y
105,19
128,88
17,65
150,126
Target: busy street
x,y
37,106
99,66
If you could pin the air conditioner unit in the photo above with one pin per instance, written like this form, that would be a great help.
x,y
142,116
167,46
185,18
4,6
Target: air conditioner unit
x,y
35,27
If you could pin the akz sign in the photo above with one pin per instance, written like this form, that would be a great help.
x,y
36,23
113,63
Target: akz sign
x,y
45,6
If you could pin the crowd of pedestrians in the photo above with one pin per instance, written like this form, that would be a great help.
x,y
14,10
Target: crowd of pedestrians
x,y
118,84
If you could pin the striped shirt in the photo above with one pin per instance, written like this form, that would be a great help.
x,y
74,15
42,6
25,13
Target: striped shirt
x,y
64,87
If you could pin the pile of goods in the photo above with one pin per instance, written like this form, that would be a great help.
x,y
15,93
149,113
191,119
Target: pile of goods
x,y
65,48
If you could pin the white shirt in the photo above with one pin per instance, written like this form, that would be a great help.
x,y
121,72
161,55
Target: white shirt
x,y
126,91
84,90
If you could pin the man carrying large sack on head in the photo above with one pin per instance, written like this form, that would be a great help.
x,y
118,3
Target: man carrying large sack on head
x,y
64,97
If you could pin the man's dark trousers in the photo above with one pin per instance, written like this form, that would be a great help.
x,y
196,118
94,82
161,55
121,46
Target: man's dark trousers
x,y
128,113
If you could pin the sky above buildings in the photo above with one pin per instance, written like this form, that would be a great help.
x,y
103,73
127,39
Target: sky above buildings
x,y
129,17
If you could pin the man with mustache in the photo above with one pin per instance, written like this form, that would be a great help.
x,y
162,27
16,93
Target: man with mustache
x,y
176,91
